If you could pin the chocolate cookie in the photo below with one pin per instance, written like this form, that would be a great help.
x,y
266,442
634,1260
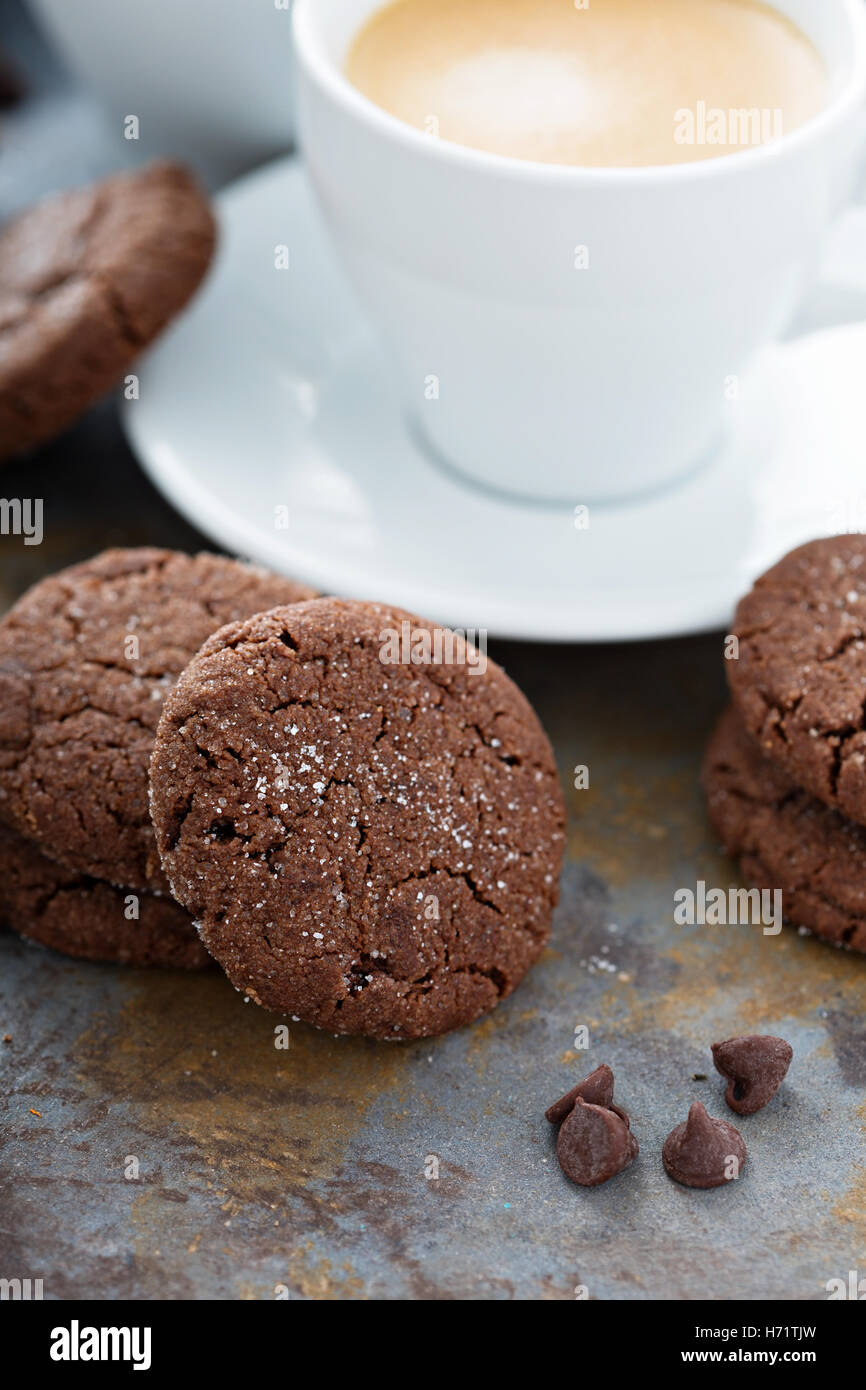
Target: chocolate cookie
x,y
369,844
785,838
87,281
86,659
800,677
83,917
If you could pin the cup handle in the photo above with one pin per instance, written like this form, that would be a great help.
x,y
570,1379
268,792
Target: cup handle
x,y
839,297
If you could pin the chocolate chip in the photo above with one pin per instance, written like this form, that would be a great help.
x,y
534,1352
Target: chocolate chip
x,y
595,1089
703,1152
754,1067
594,1144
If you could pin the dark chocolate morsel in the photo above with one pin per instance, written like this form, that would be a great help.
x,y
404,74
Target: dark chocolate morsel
x,y
594,1144
703,1152
755,1067
595,1089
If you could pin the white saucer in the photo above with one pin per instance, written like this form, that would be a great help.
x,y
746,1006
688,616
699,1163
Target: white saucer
x,y
270,400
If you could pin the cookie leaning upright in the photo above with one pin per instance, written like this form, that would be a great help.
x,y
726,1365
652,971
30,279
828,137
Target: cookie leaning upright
x,y
371,845
86,658
799,682
88,278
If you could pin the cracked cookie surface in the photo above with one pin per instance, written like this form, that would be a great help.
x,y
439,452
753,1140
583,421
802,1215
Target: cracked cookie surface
x,y
87,657
800,680
786,839
374,848
86,918
88,278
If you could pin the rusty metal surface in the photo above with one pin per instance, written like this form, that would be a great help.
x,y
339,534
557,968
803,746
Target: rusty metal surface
x,y
262,1171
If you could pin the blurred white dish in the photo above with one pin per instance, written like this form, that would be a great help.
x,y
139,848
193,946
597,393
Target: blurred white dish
x,y
210,80
270,420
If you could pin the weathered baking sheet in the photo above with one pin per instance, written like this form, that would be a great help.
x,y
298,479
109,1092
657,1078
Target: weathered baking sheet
x,y
310,1173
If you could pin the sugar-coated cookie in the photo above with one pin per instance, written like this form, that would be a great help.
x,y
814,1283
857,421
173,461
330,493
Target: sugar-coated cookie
x,y
87,657
84,917
88,279
786,839
369,843
799,679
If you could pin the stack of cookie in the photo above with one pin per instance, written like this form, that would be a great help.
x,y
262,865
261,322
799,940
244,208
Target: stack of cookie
x,y
87,658
370,842
366,837
785,771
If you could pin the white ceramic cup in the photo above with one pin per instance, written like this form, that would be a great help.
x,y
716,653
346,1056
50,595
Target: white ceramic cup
x,y
524,371
210,80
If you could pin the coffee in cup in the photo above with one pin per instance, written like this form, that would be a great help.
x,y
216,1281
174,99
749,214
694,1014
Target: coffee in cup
x,y
608,83
574,333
